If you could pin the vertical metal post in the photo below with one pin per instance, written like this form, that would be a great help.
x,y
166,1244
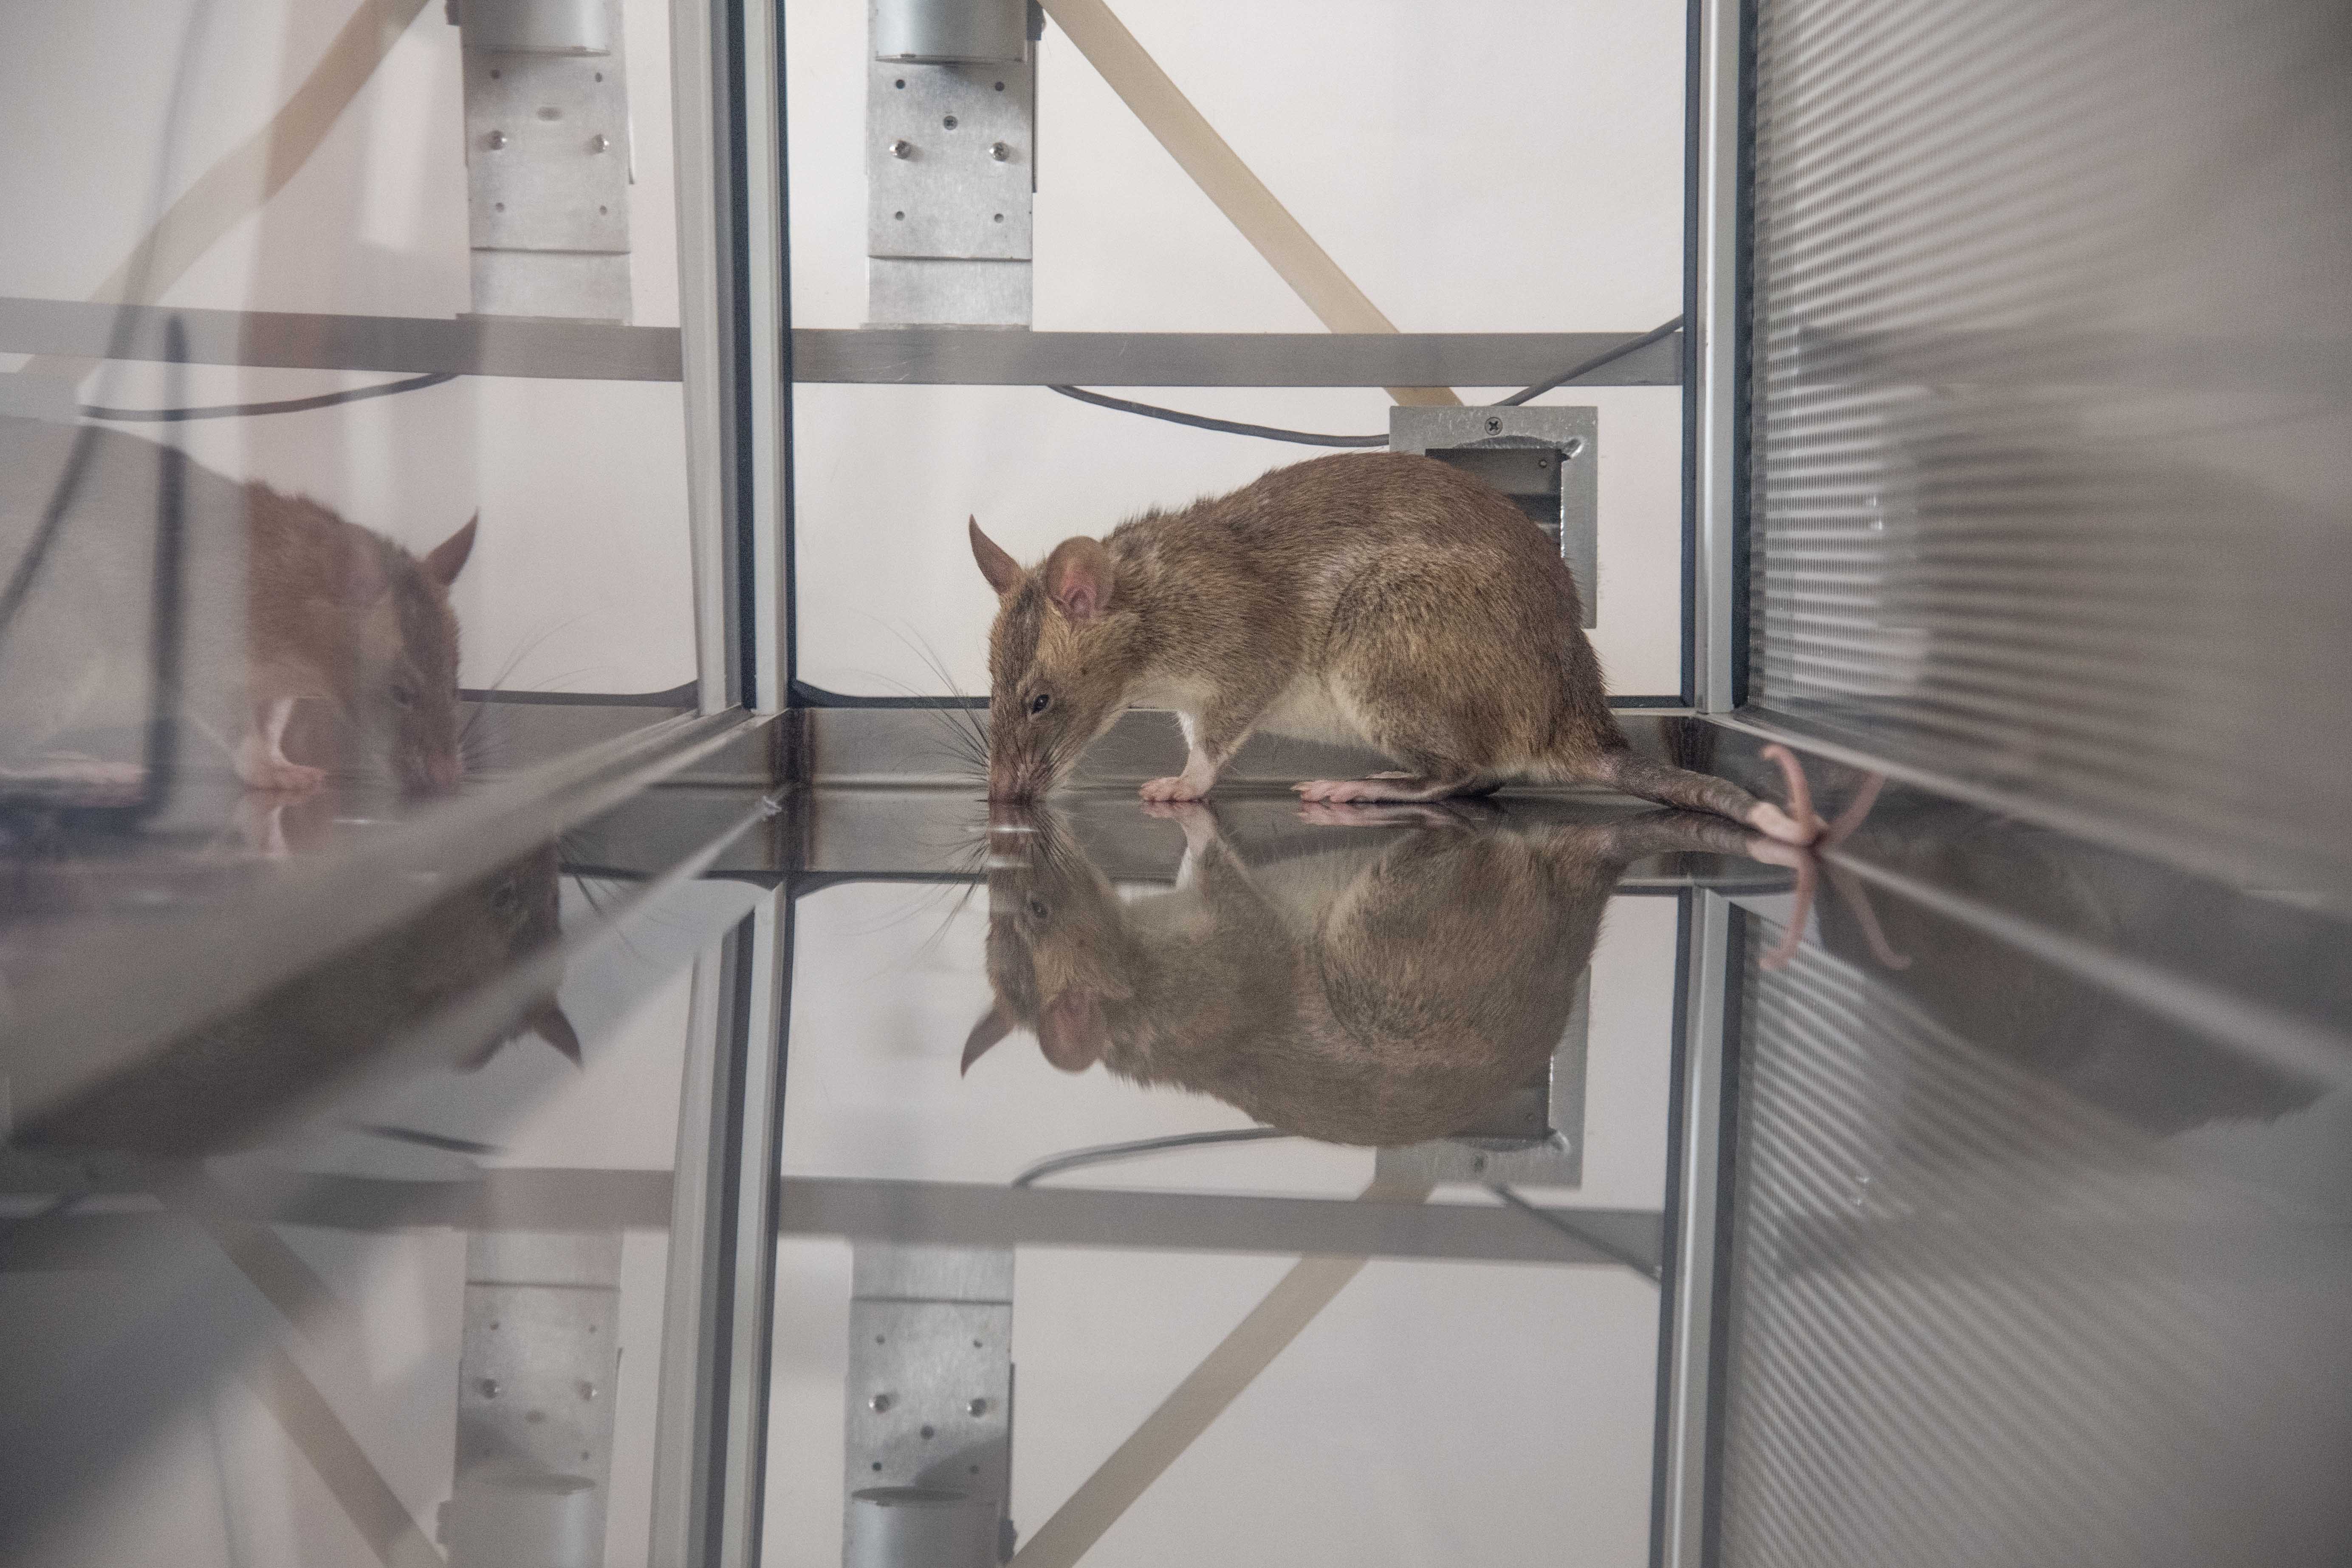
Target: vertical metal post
x,y
1715,332
703,105
710,1452
767,282
1691,1350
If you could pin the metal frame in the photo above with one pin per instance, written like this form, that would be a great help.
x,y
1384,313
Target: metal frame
x,y
1715,334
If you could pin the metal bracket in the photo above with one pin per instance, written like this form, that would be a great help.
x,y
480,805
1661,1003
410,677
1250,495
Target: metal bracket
x,y
929,1460
546,158
1545,459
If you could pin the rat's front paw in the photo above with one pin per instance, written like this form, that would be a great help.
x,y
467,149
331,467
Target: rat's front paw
x,y
1177,788
289,778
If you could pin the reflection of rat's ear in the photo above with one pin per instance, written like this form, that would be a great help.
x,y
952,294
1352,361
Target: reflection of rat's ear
x,y
1072,1030
1077,578
548,1022
449,557
993,1026
1001,571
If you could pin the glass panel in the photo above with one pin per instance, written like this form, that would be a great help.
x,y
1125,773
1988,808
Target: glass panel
x,y
1520,177
426,443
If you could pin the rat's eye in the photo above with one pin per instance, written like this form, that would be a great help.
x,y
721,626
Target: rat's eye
x,y
1037,909
405,695
1039,703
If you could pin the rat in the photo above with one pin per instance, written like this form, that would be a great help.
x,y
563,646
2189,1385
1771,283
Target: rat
x,y
284,604
1380,599
339,613
1379,994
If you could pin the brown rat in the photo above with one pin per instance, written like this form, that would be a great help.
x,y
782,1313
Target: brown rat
x,y
1380,995
1377,598
338,614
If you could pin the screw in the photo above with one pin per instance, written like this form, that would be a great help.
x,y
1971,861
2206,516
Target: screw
x,y
490,1386
495,140
1494,424
1575,444
880,1402
930,1432
597,144
978,1407
902,149
999,151
587,1390
949,122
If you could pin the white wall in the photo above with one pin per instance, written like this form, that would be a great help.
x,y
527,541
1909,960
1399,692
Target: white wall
x,y
580,577
1502,165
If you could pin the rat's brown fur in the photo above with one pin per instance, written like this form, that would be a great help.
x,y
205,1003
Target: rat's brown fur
x,y
1385,599
338,614
1379,996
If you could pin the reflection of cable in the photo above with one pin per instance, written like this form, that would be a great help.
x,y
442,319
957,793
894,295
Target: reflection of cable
x,y
286,405
1309,438
1561,1224
1109,1154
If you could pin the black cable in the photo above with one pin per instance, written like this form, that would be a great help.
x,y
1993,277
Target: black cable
x,y
1587,367
1108,1154
287,405
1309,439
1230,427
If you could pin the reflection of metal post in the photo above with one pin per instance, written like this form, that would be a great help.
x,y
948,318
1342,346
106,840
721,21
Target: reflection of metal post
x,y
950,162
1532,1137
547,157
928,1456
535,1400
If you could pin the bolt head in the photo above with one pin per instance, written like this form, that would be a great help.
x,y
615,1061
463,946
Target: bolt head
x,y
902,149
880,1402
495,140
587,1390
489,1387
999,151
1494,424
978,1407
598,144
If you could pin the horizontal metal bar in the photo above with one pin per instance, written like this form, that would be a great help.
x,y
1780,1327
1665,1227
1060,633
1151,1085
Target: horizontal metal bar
x,y
966,1214
965,357
465,345
968,356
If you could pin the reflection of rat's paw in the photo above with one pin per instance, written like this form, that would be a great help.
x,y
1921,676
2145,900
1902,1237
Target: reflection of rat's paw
x,y
1177,788
1198,823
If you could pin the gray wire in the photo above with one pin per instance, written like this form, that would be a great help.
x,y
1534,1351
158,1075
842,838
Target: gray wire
x,y
1110,1153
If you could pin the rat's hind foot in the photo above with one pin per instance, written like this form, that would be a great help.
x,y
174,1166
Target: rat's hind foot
x,y
1381,786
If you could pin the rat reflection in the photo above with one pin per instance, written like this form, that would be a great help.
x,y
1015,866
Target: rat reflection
x,y
1383,994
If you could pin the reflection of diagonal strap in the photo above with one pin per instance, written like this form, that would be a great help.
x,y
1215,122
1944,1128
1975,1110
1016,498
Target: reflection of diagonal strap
x,y
312,1425
256,169
1224,179
1199,1400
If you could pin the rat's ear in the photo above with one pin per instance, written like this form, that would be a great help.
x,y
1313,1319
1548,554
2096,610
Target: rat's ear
x,y
1003,573
449,557
1078,578
993,1026
1073,1031
548,1022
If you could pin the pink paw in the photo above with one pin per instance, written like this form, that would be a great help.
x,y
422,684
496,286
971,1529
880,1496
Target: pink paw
x,y
1798,824
1177,788
1339,792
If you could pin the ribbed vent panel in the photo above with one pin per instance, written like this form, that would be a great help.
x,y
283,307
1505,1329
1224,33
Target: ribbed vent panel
x,y
1975,1322
2051,421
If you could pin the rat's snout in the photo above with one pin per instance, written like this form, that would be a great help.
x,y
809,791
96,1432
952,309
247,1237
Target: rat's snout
x,y
433,770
